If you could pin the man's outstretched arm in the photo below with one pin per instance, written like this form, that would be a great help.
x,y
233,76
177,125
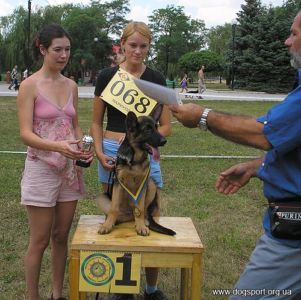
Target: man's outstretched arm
x,y
239,129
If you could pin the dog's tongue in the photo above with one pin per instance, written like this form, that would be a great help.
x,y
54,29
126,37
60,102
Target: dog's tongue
x,y
155,153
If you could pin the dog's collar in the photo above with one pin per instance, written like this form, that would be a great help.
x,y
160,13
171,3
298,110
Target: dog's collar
x,y
136,195
131,163
138,162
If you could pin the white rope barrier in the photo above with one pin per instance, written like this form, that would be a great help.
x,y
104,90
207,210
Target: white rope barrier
x,y
167,155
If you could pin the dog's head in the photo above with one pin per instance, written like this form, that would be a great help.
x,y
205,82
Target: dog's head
x,y
142,133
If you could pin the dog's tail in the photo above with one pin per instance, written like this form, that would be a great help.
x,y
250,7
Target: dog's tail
x,y
154,226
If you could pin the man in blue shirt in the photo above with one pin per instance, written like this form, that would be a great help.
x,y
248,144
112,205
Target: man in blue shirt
x,y
273,271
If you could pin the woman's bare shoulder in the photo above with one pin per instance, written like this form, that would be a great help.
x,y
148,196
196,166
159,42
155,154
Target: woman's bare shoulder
x,y
70,82
30,82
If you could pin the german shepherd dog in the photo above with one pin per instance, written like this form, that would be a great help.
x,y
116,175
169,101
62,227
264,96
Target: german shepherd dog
x,y
135,196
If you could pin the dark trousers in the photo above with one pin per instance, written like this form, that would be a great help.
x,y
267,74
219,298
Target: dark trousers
x,y
14,83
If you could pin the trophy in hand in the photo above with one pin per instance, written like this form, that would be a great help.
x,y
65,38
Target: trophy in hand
x,y
86,145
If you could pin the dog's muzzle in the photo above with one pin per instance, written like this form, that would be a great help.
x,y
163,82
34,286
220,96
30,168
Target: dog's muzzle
x,y
162,141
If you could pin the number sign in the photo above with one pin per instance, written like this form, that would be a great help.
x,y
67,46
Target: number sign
x,y
114,272
122,93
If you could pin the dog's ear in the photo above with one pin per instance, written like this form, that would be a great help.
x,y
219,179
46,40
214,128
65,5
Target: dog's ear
x,y
156,113
131,121
125,153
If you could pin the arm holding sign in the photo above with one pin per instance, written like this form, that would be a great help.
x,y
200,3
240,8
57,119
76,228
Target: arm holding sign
x,y
99,108
165,122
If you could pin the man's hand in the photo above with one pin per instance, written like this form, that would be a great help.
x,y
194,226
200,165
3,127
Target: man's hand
x,y
234,178
188,114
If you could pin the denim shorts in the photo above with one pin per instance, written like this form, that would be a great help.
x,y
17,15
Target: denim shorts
x,y
110,148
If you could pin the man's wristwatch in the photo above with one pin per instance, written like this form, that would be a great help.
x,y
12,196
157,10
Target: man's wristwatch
x,y
203,121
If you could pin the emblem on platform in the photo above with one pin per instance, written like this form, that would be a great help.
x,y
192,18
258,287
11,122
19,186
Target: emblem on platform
x,y
97,269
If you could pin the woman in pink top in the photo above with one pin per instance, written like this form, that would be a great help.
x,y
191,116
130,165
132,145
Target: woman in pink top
x,y
51,183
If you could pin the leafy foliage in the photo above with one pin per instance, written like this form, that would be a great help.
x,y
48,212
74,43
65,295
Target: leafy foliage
x,y
174,34
254,48
192,61
89,26
261,61
218,39
15,38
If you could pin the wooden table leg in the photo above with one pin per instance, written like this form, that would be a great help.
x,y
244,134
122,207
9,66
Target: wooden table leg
x,y
196,277
74,275
82,296
184,284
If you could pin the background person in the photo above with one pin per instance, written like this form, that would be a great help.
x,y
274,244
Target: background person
x,y
276,261
184,84
25,74
14,77
135,43
51,184
8,77
201,80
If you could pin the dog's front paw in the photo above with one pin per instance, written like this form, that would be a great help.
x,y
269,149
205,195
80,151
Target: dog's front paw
x,y
105,229
142,230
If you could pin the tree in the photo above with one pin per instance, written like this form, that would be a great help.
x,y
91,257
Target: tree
x,y
173,35
219,42
90,27
261,60
292,7
273,72
14,39
245,44
218,39
192,61
115,12
1,52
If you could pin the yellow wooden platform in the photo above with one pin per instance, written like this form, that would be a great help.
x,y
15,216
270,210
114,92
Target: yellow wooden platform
x,y
184,250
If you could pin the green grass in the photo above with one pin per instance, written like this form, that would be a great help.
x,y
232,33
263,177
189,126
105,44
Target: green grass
x,y
228,225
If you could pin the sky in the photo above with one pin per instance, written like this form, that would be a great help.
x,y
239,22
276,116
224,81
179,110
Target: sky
x,y
213,13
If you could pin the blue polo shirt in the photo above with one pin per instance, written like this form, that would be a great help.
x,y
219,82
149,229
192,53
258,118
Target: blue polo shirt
x,y
281,169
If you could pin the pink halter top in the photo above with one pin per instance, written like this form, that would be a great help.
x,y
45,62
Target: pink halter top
x,y
52,122
46,109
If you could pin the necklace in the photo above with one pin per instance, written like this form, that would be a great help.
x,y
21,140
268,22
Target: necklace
x,y
136,74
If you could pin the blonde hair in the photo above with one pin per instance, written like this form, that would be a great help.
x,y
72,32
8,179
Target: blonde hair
x,y
139,27
130,29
